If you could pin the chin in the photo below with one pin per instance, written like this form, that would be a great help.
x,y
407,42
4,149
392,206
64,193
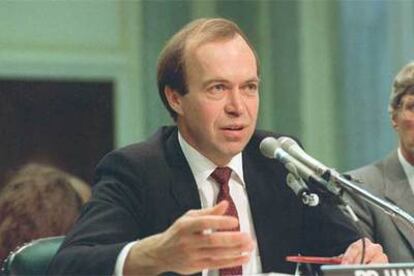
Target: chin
x,y
234,148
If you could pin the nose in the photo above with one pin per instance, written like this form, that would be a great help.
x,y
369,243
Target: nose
x,y
235,103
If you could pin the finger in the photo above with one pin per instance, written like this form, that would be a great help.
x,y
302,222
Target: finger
x,y
224,262
226,252
374,254
224,239
218,209
369,251
352,254
380,259
213,222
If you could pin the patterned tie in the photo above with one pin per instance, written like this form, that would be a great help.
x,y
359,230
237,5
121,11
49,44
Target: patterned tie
x,y
222,175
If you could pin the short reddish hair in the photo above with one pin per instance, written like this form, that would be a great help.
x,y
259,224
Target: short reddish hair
x,y
38,201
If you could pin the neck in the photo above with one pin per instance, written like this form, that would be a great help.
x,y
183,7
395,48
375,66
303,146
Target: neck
x,y
216,159
408,155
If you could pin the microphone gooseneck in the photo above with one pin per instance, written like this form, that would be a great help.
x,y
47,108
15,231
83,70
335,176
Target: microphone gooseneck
x,y
286,150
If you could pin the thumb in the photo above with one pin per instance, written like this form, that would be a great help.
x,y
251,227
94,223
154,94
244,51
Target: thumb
x,y
218,209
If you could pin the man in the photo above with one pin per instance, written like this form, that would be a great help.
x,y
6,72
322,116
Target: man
x,y
392,178
168,205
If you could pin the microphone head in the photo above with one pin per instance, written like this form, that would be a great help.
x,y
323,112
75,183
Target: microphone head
x,y
287,142
268,147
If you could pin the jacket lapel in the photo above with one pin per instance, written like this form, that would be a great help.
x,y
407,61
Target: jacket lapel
x,y
398,192
183,185
274,220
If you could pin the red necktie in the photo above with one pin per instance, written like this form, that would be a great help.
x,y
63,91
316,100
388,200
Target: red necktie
x,y
222,175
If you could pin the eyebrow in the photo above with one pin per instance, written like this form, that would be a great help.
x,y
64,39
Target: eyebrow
x,y
208,82
407,95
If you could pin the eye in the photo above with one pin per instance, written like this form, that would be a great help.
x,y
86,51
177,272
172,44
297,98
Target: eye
x,y
217,88
251,88
410,106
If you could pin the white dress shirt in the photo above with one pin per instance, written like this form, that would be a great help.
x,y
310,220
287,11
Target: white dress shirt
x,y
408,169
208,189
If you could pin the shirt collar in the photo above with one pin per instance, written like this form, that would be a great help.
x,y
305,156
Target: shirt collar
x,y
202,167
408,169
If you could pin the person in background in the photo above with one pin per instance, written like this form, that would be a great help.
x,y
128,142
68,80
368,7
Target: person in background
x,y
199,197
38,201
392,178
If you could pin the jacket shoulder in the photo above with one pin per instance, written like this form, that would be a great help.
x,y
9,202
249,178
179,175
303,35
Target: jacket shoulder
x,y
150,149
370,177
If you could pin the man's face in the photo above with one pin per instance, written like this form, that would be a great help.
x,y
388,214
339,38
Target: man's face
x,y
218,114
403,123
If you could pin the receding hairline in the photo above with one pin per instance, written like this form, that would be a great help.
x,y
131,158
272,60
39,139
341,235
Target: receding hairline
x,y
192,44
190,51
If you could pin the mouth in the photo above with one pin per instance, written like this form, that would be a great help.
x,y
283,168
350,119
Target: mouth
x,y
234,132
233,128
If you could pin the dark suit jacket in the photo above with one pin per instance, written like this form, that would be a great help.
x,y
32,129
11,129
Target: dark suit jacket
x,y
142,189
387,180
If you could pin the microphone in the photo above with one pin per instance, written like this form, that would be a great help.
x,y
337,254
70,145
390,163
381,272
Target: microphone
x,y
273,148
270,147
291,147
287,150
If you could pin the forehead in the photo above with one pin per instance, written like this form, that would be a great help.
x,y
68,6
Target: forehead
x,y
409,94
192,45
199,38
217,55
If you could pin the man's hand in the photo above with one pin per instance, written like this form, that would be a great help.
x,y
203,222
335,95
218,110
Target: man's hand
x,y
192,244
373,253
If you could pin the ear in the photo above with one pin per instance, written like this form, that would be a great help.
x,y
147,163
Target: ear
x,y
174,99
394,119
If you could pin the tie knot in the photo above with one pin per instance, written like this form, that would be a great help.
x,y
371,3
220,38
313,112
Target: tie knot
x,y
221,175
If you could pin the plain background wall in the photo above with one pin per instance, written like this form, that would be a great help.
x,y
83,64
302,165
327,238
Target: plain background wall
x,y
326,66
